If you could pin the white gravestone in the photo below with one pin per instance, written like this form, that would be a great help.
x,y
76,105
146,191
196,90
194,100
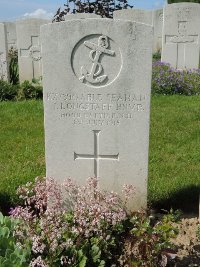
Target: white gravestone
x,y
138,15
29,50
181,35
81,16
148,17
11,35
97,101
158,26
3,54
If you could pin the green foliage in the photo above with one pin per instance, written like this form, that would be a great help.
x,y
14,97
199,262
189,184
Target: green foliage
x,y
7,91
10,253
147,243
27,90
157,56
104,8
180,1
30,90
13,66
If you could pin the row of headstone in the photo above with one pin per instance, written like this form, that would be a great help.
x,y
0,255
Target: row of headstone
x,y
176,34
23,35
97,87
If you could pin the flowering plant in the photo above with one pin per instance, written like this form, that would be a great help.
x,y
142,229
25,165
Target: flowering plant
x,y
85,228
167,80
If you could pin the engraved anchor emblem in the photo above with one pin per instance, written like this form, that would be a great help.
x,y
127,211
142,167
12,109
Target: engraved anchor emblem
x,y
94,56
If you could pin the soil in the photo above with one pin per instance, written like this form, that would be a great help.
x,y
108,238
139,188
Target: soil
x,y
188,254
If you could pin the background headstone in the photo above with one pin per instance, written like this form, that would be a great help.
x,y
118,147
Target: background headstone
x,y
81,16
29,50
148,17
11,34
181,35
138,15
97,101
3,54
158,26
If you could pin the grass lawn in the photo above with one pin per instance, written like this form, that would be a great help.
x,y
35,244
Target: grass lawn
x,y
174,159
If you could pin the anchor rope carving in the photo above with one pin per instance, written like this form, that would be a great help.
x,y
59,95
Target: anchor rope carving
x,y
95,53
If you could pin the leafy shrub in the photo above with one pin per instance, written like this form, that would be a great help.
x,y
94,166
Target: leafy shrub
x,y
7,91
157,56
148,241
13,65
104,8
30,90
10,253
88,227
168,81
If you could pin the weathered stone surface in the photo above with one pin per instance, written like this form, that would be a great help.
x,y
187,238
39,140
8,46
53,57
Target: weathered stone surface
x,y
29,50
181,35
158,26
154,18
11,34
81,16
3,54
97,101
138,15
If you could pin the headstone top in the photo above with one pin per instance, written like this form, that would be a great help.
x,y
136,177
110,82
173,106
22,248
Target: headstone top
x,y
81,16
137,15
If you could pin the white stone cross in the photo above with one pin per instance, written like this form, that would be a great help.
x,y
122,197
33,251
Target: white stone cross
x,y
96,156
182,39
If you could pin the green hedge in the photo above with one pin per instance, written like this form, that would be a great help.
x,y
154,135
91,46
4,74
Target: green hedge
x,y
26,90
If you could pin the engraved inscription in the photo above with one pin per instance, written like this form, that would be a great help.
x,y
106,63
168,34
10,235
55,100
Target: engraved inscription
x,y
96,69
182,36
184,14
109,109
96,156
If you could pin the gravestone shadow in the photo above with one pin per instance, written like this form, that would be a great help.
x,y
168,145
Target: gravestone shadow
x,y
5,203
185,199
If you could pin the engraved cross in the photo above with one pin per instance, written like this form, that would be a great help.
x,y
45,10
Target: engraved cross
x,y
96,156
33,52
181,40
